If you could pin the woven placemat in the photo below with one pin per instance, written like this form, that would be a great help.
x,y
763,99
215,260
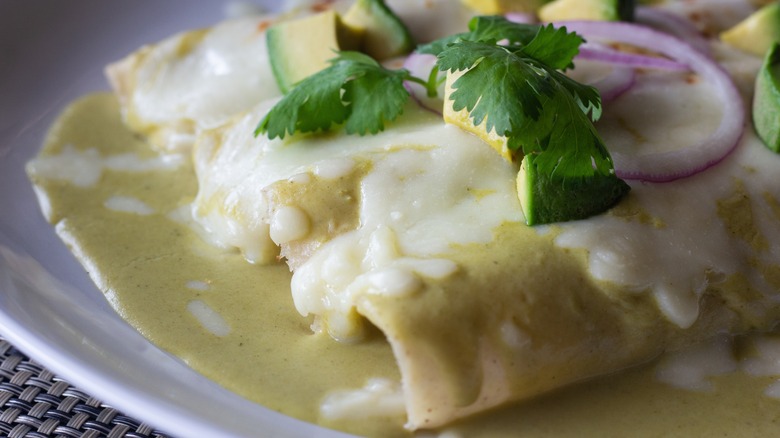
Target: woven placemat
x,y
35,403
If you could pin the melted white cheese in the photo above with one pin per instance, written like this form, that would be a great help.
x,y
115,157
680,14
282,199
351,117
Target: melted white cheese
x,y
198,285
80,168
689,369
429,186
766,361
689,246
361,262
431,167
208,318
333,169
201,79
288,224
378,398
127,204
196,80
83,168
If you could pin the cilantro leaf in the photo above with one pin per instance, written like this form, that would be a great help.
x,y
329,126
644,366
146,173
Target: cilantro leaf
x,y
497,28
556,48
486,29
496,82
575,148
437,46
538,109
588,97
379,95
354,90
566,142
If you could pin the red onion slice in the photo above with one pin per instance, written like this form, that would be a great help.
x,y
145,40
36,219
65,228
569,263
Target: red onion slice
x,y
598,52
672,23
672,165
420,65
618,81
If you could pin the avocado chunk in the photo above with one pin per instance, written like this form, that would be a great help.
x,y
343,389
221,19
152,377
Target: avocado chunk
x,y
504,6
462,119
766,100
546,199
385,35
603,10
756,33
299,48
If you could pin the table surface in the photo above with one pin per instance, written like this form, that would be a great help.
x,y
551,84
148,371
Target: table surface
x,y
36,403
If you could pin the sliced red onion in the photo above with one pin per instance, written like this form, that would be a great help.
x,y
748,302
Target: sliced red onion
x,y
420,65
519,17
618,81
598,52
672,23
672,165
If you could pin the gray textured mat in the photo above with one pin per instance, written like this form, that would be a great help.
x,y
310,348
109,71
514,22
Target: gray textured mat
x,y
35,403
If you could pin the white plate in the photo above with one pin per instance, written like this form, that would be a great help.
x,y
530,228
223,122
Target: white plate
x,y
51,52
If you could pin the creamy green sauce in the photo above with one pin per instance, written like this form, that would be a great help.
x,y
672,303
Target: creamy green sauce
x,y
146,266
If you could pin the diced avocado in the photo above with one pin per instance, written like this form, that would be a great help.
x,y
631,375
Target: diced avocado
x,y
603,10
546,199
385,35
302,47
504,6
462,119
766,100
756,33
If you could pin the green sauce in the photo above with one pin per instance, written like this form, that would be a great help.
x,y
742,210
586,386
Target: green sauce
x,y
145,264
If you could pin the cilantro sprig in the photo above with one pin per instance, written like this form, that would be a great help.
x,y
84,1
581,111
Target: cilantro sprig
x,y
355,90
512,79
518,91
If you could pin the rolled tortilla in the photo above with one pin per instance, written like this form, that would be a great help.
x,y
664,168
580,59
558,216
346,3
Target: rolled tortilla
x,y
418,231
194,80
479,308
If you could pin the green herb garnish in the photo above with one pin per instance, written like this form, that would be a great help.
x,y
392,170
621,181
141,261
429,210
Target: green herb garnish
x,y
355,91
512,79
518,91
